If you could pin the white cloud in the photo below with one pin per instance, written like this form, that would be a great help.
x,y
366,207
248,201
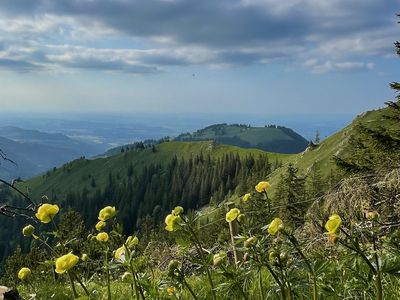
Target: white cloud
x,y
329,66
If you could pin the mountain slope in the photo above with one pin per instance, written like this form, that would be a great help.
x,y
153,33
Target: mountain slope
x,y
35,152
77,174
270,138
357,144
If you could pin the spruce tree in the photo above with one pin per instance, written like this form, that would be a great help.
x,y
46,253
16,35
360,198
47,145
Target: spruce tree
x,y
291,195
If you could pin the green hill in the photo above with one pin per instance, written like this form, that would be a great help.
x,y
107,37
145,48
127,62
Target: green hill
x,y
77,175
270,138
360,146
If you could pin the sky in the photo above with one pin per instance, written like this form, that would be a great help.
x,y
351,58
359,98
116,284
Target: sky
x,y
294,57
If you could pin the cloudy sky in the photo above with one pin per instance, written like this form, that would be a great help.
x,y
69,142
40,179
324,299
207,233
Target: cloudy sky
x,y
219,56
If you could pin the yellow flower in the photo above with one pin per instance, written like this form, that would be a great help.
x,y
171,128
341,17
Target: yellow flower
x,y
219,258
232,215
172,222
132,241
275,226
120,253
106,213
171,290
24,273
246,197
177,211
332,225
100,225
66,262
84,257
46,212
262,186
28,230
102,237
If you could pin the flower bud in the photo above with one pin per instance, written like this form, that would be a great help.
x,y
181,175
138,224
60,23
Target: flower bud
x,y
84,257
372,215
132,241
250,242
28,230
172,267
219,258
127,277
241,218
24,273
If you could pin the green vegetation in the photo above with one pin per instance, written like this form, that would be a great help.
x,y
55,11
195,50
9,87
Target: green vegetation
x,y
329,230
320,235
270,138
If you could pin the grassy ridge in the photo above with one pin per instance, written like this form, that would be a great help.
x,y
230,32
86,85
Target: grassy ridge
x,y
269,138
77,175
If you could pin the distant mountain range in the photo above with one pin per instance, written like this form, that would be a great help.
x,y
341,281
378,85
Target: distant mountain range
x,y
35,152
270,138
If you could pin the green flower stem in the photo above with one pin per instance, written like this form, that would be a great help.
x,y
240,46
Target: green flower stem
x,y
268,202
260,283
189,289
284,279
293,240
357,249
134,280
378,277
136,277
201,254
33,288
71,280
277,280
376,271
229,275
81,283
107,275
132,292
138,287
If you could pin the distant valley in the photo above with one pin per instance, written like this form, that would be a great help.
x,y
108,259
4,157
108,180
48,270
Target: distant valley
x,y
32,152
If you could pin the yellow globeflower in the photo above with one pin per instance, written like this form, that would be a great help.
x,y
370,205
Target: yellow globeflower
x,y
46,212
66,262
232,215
171,290
102,237
177,211
24,273
262,186
106,213
172,222
246,197
333,224
84,257
100,225
120,253
275,226
132,241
